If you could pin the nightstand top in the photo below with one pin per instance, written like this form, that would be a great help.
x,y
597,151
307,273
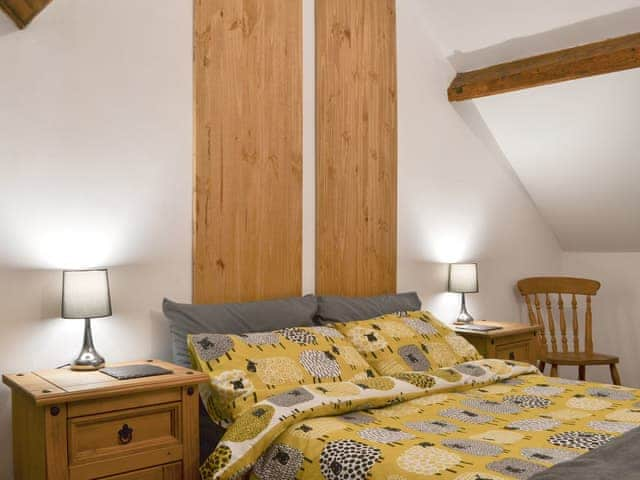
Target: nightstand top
x,y
65,385
508,329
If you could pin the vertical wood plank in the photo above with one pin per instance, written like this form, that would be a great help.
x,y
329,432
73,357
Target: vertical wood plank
x,y
248,150
356,145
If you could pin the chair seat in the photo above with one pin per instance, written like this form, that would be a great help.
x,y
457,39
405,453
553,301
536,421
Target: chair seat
x,y
579,358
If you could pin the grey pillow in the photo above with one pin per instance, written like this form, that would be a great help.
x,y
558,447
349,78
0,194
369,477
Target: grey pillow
x,y
186,318
345,309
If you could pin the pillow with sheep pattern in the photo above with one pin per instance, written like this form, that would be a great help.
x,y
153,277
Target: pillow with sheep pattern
x,y
407,341
247,368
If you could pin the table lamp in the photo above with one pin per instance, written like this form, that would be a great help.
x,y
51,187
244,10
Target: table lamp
x,y
463,278
85,294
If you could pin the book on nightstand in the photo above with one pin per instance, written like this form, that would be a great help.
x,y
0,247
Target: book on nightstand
x,y
127,372
474,327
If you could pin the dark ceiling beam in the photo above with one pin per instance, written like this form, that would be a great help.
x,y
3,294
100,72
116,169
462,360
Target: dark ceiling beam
x,y
23,11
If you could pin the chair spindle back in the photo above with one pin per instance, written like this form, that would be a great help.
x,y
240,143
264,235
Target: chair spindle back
x,y
537,290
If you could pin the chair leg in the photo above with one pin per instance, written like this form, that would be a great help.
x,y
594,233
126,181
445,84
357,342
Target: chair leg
x,y
554,370
615,375
582,372
541,366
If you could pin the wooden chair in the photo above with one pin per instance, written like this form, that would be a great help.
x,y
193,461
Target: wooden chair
x,y
539,292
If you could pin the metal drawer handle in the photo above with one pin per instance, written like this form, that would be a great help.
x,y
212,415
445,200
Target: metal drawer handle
x,y
125,434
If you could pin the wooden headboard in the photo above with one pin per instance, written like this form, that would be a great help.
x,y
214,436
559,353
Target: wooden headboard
x,y
248,148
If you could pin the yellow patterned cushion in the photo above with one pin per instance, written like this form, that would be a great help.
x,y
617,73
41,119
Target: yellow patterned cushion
x,y
244,369
407,341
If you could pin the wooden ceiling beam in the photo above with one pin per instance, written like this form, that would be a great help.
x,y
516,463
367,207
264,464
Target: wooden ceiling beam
x,y
613,55
23,11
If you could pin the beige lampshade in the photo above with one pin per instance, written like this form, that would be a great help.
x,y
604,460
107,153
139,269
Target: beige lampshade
x,y
85,294
463,277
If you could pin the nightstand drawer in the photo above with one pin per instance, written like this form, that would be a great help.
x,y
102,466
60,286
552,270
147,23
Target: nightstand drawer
x,y
124,402
172,471
520,351
127,432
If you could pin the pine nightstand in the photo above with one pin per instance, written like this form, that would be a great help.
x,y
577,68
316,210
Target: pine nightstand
x,y
76,425
514,341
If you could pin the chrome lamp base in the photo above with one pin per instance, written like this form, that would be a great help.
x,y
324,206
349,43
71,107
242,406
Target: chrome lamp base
x,y
88,359
464,316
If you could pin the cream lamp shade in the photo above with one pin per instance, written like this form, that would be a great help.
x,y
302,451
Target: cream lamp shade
x,y
463,277
85,294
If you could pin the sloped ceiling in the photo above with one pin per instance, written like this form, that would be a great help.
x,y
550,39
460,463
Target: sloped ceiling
x,y
576,148
476,34
574,145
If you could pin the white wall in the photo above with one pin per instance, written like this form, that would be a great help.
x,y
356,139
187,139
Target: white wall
x,y
95,168
616,310
459,200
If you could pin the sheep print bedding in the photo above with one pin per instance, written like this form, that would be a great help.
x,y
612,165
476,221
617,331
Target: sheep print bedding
x,y
483,419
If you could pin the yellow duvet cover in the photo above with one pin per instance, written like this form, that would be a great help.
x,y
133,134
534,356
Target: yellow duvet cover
x,y
484,419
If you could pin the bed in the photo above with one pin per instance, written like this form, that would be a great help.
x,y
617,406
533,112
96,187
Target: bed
x,y
409,410
499,420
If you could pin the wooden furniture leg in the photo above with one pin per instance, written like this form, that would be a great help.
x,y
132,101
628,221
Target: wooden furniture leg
x,y
554,370
541,366
582,372
615,375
